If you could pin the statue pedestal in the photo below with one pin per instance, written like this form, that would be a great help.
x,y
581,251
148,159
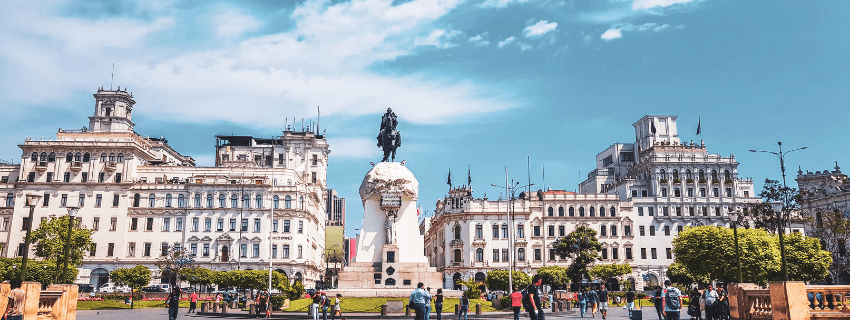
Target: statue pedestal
x,y
390,250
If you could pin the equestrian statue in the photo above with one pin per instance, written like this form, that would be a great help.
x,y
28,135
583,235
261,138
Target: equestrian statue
x,y
389,139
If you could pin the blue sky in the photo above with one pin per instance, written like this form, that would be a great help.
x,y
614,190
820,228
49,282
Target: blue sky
x,y
480,83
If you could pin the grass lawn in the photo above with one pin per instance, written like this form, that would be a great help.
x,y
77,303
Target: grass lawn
x,y
374,305
116,304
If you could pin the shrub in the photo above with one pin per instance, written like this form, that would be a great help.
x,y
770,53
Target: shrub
x,y
505,302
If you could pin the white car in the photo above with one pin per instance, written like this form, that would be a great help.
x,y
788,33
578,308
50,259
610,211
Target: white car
x,y
110,287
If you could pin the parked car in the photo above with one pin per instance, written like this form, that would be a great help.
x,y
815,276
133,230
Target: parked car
x,y
189,290
311,292
110,287
153,289
85,288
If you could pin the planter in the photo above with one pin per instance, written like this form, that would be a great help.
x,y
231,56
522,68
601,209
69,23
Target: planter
x,y
663,181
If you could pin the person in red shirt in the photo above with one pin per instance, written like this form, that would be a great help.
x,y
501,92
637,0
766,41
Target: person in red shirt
x,y
193,302
516,303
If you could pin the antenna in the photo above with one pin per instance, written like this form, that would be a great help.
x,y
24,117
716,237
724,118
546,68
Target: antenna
x,y
318,119
113,76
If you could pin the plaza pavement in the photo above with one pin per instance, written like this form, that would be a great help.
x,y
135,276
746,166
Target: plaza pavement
x,y
162,314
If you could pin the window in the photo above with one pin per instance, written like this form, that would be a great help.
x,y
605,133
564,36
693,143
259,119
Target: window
x,y
591,213
85,177
300,226
110,249
221,201
67,177
243,250
495,231
276,202
678,211
727,175
209,200
219,226
244,225
207,224
604,253
25,223
652,230
151,201
63,201
678,229
601,211
287,202
131,249
615,254
134,224
627,231
677,192
136,200
520,231
274,225
194,224
78,157
669,253
113,224
666,230
603,231
300,252
166,224
551,231
49,177
149,225
536,231
572,212
479,255
164,249
313,176
505,255
274,251
642,231
538,255
286,226
120,157
551,254
702,192
479,232
665,211
675,174
286,251
654,253
197,200
232,224
147,252
651,213
495,255
257,225
640,211
690,192
118,177
258,203
504,231
746,194
256,250
551,211
246,201
562,231
581,211
643,253
81,203
301,203
613,211
206,250
663,192
194,249
629,254
520,254
728,192
31,177
178,225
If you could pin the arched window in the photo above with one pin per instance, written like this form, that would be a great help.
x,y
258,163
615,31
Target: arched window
x,y
613,212
287,202
86,157
136,199
276,202
51,157
601,211
675,174
234,201
572,212
560,211
181,201
197,200
222,202
258,202
479,255
246,201
688,174
520,254
209,200
10,200
301,202
120,157
551,212
112,157
389,282
663,174
701,175
168,200
43,156
103,157
457,232
78,157
69,157
727,174
34,156
581,211
151,200
591,212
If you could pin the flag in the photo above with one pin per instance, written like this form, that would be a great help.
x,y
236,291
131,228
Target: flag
x,y
653,127
450,178
419,210
699,126
469,176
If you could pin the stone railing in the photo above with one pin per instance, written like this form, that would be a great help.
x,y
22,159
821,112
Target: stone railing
x,y
789,300
828,302
58,302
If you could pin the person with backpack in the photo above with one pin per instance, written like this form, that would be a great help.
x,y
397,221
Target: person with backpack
x,y
710,303
418,299
592,301
325,303
657,300
603,302
630,299
581,299
535,306
516,303
722,303
464,308
672,301
314,307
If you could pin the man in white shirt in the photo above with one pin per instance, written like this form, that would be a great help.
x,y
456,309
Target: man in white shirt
x,y
710,303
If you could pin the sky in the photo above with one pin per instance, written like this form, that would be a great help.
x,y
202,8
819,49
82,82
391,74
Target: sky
x,y
477,85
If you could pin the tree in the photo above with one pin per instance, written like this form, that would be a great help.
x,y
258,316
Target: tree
x,y
583,244
608,271
832,228
473,288
677,273
50,239
43,271
199,276
554,275
761,215
173,262
498,280
135,278
804,258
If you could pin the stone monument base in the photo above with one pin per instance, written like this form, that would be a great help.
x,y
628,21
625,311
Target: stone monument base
x,y
387,293
386,275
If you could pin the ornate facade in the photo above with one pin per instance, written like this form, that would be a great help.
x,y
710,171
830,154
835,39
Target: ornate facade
x,y
264,198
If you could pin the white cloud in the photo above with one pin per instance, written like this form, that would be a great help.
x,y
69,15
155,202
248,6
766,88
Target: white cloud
x,y
507,41
649,4
498,3
479,40
439,38
353,148
524,47
540,28
231,22
612,34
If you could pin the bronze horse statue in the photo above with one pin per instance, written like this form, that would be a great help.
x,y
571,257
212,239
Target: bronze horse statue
x,y
389,139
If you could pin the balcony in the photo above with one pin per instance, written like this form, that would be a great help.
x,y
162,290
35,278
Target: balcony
x,y
76,166
457,263
41,166
110,165
456,243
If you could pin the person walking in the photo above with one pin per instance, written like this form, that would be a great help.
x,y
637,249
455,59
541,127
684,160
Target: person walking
x,y
550,300
314,307
326,303
417,301
516,303
17,298
463,313
723,303
592,300
672,301
438,304
630,299
173,303
428,304
262,302
603,302
710,303
694,306
581,298
534,297
657,301
193,302
337,307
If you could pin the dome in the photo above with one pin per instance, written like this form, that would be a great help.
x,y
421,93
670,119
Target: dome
x,y
389,176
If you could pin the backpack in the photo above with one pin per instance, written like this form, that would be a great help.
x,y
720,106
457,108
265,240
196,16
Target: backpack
x,y
526,299
464,302
672,297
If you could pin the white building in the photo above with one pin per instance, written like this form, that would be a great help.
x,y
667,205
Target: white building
x,y
263,197
652,189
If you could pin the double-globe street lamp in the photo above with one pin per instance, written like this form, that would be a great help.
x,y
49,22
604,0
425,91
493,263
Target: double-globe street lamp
x,y
32,201
511,189
72,212
781,207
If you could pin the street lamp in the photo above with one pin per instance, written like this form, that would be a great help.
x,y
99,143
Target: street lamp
x,y
510,189
781,209
734,216
72,212
32,200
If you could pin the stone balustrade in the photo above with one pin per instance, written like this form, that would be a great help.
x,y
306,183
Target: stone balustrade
x,y
57,302
789,301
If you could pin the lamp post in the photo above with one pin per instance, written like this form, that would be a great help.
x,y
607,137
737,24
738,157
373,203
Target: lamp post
x,y
734,216
780,210
72,212
510,189
32,200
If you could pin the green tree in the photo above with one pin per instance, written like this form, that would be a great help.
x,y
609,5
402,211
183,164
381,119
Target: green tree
x,y
761,215
804,258
135,278
832,228
554,275
679,275
50,239
43,271
498,280
473,288
708,252
581,243
173,262
608,271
